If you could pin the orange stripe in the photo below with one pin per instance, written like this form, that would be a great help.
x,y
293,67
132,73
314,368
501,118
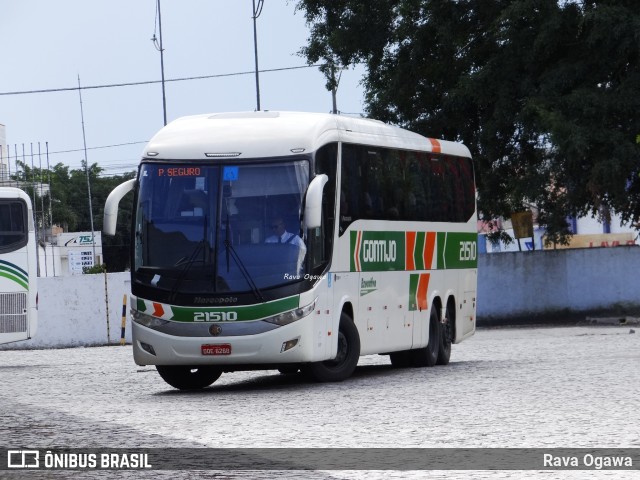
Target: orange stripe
x,y
410,264
357,252
429,248
423,288
158,311
435,145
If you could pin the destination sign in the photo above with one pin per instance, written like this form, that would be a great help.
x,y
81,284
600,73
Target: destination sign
x,y
179,172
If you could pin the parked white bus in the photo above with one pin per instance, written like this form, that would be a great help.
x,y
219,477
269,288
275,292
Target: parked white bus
x,y
298,241
18,268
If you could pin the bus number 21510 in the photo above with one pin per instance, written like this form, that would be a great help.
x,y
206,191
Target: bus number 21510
x,y
215,316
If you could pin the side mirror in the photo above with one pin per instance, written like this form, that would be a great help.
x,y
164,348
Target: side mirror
x,y
313,202
111,206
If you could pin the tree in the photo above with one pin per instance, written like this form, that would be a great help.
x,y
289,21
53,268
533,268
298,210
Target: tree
x,y
546,94
70,205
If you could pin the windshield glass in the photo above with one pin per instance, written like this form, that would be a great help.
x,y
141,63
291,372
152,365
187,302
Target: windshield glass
x,y
213,229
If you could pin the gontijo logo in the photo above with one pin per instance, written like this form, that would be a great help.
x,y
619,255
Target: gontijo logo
x,y
375,251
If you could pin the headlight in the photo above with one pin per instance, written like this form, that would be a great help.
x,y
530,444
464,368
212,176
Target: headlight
x,y
292,315
147,320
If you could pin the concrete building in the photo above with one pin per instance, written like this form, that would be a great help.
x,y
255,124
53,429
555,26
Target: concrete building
x,y
588,232
67,253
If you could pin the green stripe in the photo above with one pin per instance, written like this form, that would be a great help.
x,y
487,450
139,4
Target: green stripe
x,y
13,278
244,312
459,251
140,305
15,272
20,271
380,251
418,252
413,291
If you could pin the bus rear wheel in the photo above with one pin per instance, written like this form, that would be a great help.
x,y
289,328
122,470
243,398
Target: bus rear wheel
x,y
343,366
446,335
428,356
189,378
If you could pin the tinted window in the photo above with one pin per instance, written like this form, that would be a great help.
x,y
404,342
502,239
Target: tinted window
x,y
13,224
386,184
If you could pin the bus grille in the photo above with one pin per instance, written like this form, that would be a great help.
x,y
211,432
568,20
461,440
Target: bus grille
x,y
13,312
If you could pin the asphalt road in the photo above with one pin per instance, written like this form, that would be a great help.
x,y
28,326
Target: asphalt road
x,y
569,387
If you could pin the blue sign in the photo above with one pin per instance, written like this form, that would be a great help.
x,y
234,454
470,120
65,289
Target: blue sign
x,y
230,174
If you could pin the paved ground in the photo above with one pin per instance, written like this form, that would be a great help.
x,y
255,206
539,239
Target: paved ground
x,y
508,387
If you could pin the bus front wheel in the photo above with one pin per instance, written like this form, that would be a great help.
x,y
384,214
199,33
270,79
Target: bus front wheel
x,y
341,367
189,378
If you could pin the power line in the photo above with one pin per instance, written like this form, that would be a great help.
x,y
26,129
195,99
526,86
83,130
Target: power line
x,y
149,82
9,156
102,146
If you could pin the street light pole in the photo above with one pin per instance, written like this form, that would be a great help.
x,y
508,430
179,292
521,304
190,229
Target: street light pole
x,y
86,170
256,14
161,50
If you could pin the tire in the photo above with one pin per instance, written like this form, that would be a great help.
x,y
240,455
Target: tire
x,y
343,366
446,336
189,378
428,356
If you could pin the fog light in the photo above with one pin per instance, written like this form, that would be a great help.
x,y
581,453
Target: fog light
x,y
289,344
148,348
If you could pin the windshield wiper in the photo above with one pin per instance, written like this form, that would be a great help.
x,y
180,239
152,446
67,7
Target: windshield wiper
x,y
245,273
188,262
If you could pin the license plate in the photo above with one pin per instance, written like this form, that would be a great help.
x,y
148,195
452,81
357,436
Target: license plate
x,y
220,349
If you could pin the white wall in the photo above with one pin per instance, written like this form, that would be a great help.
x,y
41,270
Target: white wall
x,y
555,283
72,311
511,286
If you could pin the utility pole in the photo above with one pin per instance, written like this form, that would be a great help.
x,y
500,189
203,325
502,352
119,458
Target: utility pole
x,y
256,14
158,45
86,170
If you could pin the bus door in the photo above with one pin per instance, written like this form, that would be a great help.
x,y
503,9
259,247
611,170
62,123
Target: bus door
x,y
386,322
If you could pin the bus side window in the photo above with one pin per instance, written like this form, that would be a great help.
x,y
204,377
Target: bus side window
x,y
13,232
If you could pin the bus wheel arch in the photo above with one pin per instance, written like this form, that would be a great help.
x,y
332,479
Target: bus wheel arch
x,y
427,356
348,353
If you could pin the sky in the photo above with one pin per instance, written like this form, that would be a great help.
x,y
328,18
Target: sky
x,y
47,45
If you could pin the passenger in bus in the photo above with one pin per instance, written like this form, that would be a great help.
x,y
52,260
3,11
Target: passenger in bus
x,y
280,235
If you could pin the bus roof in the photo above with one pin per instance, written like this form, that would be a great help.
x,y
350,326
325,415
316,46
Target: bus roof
x,y
14,192
270,134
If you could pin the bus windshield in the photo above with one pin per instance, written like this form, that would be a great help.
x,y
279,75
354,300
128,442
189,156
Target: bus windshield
x,y
220,228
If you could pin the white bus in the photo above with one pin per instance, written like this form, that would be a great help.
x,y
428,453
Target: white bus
x,y
18,268
296,241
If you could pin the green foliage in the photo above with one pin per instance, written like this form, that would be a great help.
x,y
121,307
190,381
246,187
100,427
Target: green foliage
x,y
100,268
546,94
70,204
